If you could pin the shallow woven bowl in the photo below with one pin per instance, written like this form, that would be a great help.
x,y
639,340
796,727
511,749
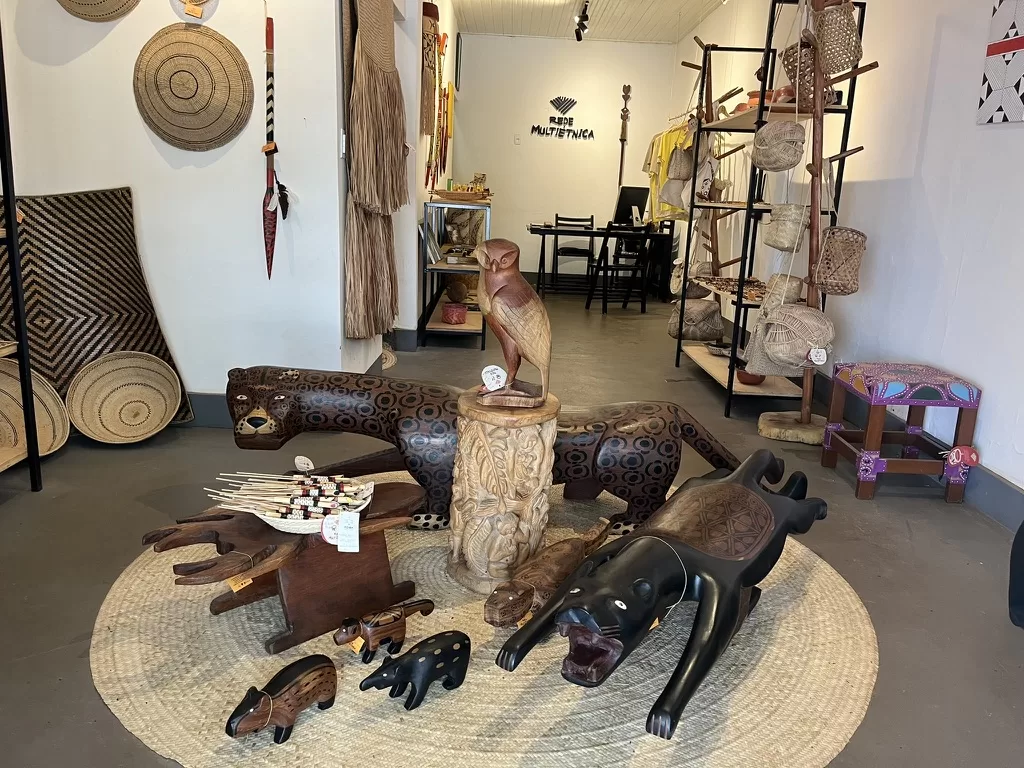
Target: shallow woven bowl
x,y
123,397
52,423
308,526
99,10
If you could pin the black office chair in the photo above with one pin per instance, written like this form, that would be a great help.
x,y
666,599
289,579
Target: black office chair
x,y
632,256
572,251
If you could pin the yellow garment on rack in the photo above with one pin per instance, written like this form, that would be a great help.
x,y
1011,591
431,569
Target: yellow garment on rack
x,y
661,150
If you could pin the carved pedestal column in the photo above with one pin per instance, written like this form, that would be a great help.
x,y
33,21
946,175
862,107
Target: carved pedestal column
x,y
500,495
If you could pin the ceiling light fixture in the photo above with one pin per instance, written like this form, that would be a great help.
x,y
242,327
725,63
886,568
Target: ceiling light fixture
x,y
581,22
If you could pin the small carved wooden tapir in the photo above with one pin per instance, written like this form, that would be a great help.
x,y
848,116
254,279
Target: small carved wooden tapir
x,y
310,680
383,626
444,657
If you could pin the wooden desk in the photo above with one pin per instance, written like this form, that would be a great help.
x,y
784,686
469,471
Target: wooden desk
x,y
661,242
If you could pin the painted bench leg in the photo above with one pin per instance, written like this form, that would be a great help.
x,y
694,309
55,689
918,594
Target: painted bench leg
x,y
867,469
956,477
915,426
829,456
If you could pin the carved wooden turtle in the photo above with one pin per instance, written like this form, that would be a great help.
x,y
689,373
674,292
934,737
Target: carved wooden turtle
x,y
536,580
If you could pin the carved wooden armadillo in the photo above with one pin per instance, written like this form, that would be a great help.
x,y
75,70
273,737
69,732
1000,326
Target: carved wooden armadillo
x,y
536,580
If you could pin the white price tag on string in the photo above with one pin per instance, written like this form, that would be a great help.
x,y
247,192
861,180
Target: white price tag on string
x,y
348,531
329,529
303,464
818,356
494,377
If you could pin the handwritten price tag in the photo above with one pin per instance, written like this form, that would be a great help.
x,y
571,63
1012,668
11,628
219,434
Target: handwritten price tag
x,y
494,377
195,11
303,464
238,583
818,356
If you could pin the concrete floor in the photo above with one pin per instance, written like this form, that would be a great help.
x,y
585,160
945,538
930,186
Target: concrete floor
x,y
933,576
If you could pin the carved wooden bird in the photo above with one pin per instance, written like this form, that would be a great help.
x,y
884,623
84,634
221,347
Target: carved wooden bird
x,y
516,315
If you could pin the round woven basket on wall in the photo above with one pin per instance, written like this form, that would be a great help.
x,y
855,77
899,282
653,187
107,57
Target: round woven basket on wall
x,y
52,424
193,87
123,397
99,10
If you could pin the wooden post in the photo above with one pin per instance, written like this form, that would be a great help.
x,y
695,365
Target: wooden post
x,y
814,250
624,134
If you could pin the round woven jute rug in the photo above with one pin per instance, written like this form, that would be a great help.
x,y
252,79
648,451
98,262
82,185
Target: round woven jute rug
x,y
790,691
123,397
99,10
193,87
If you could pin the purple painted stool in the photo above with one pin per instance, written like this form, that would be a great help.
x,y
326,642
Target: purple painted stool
x,y
884,384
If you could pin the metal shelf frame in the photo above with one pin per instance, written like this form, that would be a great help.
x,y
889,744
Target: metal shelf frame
x,y
13,243
754,210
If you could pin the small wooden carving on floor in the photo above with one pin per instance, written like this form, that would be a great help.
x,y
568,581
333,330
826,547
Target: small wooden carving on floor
x,y
536,580
443,657
516,315
308,681
712,542
374,629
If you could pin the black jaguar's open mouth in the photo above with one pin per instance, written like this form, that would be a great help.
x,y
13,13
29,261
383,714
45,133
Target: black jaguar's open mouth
x,y
269,442
591,657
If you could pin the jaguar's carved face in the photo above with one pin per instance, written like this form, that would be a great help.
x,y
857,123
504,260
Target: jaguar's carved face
x,y
263,405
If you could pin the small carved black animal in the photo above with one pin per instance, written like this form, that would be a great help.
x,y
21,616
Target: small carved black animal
x,y
444,657
302,683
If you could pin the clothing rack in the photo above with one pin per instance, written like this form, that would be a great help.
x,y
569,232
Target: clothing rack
x,y
754,208
9,237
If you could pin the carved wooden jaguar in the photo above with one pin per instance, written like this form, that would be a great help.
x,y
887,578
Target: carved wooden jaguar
x,y
712,542
631,450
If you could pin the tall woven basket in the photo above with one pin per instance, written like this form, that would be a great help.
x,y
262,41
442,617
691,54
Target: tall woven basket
x,y
839,42
793,331
838,270
798,61
786,229
778,146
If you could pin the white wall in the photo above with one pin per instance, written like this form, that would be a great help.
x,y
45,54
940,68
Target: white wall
x,y
506,85
75,126
938,197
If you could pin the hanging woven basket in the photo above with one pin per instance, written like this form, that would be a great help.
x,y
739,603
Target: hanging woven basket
x,y
702,321
838,269
782,289
778,146
786,229
798,61
693,291
839,42
757,360
792,331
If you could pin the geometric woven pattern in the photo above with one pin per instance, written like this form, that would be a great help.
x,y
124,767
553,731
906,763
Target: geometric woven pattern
x,y
726,521
1002,87
85,293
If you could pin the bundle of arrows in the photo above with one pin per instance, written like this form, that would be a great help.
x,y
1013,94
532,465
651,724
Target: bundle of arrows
x,y
296,497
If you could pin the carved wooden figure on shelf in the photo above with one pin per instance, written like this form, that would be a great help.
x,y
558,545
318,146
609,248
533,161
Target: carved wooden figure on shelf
x,y
442,657
631,450
536,580
308,681
383,626
516,315
712,542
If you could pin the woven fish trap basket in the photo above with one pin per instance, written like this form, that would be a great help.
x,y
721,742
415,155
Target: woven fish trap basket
x,y
781,289
792,331
701,322
798,61
778,146
839,42
786,229
838,270
758,362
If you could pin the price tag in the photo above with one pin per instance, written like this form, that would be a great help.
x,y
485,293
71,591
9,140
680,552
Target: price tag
x,y
303,464
348,531
357,645
494,377
195,11
329,529
522,622
238,582
818,356
269,147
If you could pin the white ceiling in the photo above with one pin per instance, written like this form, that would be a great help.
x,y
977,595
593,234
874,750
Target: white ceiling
x,y
647,21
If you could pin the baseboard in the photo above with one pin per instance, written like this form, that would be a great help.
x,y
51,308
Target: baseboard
x,y
986,491
403,340
210,411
